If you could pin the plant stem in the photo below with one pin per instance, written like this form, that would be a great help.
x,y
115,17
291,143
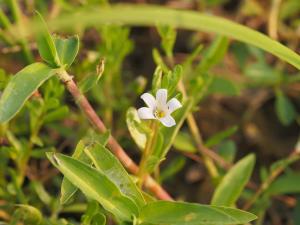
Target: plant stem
x,y
147,151
17,15
273,19
274,174
206,153
112,144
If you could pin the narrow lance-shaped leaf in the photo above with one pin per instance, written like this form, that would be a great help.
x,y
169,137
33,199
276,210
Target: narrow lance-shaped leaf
x,y
95,185
109,165
233,183
46,44
152,15
285,109
178,213
67,188
286,184
214,54
21,87
219,137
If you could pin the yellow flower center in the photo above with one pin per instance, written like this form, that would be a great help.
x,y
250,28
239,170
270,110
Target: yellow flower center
x,y
159,113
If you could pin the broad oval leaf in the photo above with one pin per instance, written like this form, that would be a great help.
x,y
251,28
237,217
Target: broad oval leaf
x,y
109,165
21,87
95,185
233,183
67,49
178,213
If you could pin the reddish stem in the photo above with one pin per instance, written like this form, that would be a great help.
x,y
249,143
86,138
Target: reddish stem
x,y
113,145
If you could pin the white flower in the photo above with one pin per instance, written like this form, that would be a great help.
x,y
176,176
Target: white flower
x,y
159,108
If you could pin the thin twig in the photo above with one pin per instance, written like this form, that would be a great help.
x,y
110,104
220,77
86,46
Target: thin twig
x,y
205,152
273,19
266,184
112,144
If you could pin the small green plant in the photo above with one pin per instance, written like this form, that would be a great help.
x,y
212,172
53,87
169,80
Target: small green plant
x,y
115,189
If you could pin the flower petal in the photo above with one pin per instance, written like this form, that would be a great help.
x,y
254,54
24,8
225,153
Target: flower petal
x,y
168,121
145,113
173,104
149,100
161,97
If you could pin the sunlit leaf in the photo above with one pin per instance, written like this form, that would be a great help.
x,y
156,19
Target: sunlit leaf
x,y
21,87
177,213
46,44
67,49
67,188
233,183
95,185
135,128
109,165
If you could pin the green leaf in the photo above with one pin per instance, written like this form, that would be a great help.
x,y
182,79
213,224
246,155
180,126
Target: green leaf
x,y
46,44
285,162
286,184
285,109
156,80
93,215
173,168
67,188
159,60
262,74
30,215
109,165
168,35
220,136
178,213
41,192
184,142
147,15
95,185
223,86
21,87
67,49
233,183
169,133
57,114
88,83
173,79
99,219
214,54
227,150
135,127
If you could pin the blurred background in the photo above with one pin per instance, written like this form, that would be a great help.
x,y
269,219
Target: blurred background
x,y
254,98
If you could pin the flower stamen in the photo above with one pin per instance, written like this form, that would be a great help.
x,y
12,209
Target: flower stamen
x,y
159,113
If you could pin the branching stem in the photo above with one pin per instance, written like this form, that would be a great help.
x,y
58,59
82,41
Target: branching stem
x,y
112,144
151,140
